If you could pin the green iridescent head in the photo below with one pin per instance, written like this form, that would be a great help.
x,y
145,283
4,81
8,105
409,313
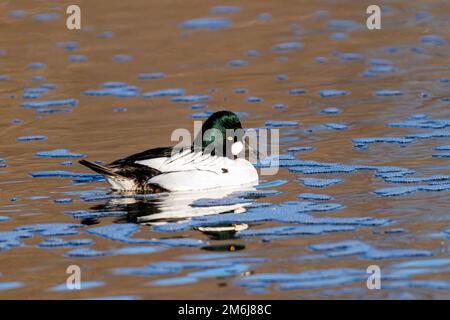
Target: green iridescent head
x,y
220,131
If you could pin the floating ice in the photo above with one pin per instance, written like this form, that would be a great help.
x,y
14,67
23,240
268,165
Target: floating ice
x,y
17,14
164,93
95,214
123,232
339,36
51,229
319,183
433,39
46,17
224,9
199,106
343,24
404,190
252,53
287,46
388,93
106,35
349,56
313,279
442,148
69,46
237,63
255,194
10,285
190,99
422,123
122,58
240,90
354,247
64,200
117,89
281,77
375,70
315,196
332,93
264,16
31,138
294,230
300,149
271,184
336,126
253,99
296,91
66,174
36,65
61,243
155,75
77,58
38,78
174,281
84,285
361,143
201,115
51,110
50,103
330,111
227,201
277,124
380,62
207,23
59,153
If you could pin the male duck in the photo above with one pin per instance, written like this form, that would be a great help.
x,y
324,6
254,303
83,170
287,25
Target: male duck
x,y
212,164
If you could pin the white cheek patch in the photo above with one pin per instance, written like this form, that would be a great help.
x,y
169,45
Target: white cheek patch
x,y
236,148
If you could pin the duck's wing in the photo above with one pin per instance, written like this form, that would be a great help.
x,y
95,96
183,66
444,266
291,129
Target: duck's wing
x,y
163,152
188,160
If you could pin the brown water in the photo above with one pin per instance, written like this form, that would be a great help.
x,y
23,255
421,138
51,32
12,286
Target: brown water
x,y
197,61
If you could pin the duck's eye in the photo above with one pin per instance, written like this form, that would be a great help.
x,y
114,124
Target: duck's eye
x,y
230,138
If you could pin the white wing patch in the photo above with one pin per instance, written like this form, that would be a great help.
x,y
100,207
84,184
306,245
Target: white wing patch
x,y
188,161
189,170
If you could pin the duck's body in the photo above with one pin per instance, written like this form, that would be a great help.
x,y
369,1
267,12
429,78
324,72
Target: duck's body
x,y
170,169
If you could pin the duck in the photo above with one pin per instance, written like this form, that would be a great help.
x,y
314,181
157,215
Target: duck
x,y
211,162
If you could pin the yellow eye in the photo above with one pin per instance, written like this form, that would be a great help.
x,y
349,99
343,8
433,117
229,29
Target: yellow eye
x,y
230,138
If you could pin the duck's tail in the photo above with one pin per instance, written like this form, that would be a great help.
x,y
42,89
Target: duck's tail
x,y
98,168
126,178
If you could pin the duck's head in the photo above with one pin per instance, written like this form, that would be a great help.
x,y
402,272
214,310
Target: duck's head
x,y
222,133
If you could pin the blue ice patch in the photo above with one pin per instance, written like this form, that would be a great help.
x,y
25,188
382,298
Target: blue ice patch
x,y
43,17
278,124
84,285
164,93
31,138
58,153
69,45
332,93
287,46
50,103
319,183
152,76
207,23
77,58
224,9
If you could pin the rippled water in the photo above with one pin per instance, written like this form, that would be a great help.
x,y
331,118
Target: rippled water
x,y
363,118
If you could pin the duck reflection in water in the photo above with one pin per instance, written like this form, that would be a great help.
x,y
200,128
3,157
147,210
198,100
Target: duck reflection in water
x,y
173,207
